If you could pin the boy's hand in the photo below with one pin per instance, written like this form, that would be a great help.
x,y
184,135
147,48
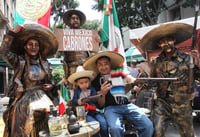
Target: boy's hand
x,y
195,55
82,101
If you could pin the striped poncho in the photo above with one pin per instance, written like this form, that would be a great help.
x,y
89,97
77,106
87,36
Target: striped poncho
x,y
118,90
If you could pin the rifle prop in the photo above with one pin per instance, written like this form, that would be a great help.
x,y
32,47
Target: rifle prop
x,y
90,97
194,34
143,80
193,46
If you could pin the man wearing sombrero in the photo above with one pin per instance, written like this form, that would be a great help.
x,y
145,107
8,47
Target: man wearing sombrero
x,y
114,99
173,103
74,19
26,49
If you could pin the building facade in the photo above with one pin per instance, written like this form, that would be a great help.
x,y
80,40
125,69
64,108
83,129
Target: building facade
x,y
7,10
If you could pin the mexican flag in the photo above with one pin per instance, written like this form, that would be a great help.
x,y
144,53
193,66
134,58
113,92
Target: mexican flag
x,y
111,35
61,107
64,93
44,20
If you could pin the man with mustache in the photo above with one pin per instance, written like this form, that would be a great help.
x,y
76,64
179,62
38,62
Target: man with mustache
x,y
173,102
72,59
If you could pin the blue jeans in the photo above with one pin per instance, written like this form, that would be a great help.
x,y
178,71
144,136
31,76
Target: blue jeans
x,y
115,114
102,121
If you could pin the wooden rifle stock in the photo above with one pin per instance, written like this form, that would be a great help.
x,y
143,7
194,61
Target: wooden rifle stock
x,y
193,46
194,34
91,97
143,80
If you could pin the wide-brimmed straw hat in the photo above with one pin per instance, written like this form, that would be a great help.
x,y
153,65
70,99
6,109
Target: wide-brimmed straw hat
x,y
47,40
116,60
67,15
81,73
179,31
32,10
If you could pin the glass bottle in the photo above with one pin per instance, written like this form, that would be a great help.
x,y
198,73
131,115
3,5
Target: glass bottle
x,y
54,123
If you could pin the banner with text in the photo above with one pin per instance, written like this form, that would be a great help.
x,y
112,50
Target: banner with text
x,y
77,40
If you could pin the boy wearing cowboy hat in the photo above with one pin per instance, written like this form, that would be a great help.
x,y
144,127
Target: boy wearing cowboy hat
x,y
114,99
82,79
26,49
173,101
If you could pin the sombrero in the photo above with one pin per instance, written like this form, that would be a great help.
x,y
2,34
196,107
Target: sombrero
x,y
32,10
116,60
179,31
46,38
81,73
68,14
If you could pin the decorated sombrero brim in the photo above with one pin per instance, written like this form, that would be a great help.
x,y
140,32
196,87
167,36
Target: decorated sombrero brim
x,y
81,73
116,60
47,40
32,9
179,31
67,15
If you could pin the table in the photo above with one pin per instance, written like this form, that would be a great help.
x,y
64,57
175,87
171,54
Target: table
x,y
87,129
2,125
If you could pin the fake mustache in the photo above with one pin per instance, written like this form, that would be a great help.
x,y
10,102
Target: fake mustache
x,y
167,46
76,22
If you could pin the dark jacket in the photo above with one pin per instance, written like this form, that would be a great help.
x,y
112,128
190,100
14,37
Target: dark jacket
x,y
92,102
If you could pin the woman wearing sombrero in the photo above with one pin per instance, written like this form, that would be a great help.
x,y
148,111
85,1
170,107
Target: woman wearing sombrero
x,y
30,90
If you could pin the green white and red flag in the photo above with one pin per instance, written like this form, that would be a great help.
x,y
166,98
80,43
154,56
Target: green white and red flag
x,y
111,35
61,108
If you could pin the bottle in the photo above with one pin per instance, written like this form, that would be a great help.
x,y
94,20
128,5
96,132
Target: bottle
x,y
51,109
64,120
73,125
54,123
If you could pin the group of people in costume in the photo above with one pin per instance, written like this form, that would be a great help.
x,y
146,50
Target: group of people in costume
x,y
32,89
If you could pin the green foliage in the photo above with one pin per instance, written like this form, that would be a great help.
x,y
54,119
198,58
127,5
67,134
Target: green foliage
x,y
60,26
91,25
59,7
134,13
189,3
58,73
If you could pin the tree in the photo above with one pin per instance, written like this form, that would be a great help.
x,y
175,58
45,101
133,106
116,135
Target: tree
x,y
91,25
134,13
58,73
60,7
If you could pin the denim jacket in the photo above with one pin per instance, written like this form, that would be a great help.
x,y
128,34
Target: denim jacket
x,y
93,102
